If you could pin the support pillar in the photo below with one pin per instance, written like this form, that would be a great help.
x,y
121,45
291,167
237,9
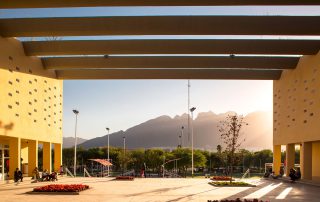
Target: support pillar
x,y
57,156
47,156
290,156
14,154
32,156
306,160
276,159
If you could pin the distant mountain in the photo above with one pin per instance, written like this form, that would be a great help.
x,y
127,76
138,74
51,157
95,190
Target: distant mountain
x,y
69,141
163,132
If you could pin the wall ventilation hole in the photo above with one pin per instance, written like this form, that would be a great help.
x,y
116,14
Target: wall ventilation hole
x,y
17,80
17,91
10,94
17,68
10,70
30,82
10,58
30,93
29,113
311,114
35,100
35,80
305,121
9,106
35,121
30,103
35,110
17,103
45,81
305,111
35,90
10,82
293,119
30,71
17,115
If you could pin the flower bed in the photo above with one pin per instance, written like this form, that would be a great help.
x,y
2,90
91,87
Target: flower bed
x,y
124,178
238,200
221,178
61,188
232,184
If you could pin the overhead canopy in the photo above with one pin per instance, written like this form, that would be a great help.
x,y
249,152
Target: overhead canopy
x,y
103,162
188,52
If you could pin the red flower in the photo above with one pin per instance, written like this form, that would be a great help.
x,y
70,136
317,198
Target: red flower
x,y
61,188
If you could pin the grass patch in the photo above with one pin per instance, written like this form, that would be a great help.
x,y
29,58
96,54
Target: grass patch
x,y
231,184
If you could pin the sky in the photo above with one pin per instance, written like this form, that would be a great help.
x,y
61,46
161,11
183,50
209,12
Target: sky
x,y
121,104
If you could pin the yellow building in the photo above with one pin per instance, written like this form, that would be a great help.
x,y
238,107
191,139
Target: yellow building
x,y
296,99
31,111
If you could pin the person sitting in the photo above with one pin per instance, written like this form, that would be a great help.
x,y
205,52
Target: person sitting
x,y
18,175
45,175
292,175
298,174
35,174
53,176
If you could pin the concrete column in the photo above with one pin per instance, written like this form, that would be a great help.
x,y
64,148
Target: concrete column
x,y
32,156
276,159
14,154
316,161
290,156
57,156
47,156
306,160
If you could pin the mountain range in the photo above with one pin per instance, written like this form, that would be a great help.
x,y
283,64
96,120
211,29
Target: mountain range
x,y
164,131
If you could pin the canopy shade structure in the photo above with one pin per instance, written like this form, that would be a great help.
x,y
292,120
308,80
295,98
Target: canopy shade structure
x,y
95,3
171,46
103,162
160,25
190,47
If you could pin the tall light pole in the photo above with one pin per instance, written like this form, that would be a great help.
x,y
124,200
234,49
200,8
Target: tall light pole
x,y
192,162
108,129
76,112
124,151
188,111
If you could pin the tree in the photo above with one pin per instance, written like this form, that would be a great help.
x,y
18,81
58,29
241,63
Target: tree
x,y
230,132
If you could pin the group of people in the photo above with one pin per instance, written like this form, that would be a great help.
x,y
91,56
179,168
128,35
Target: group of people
x,y
293,174
46,176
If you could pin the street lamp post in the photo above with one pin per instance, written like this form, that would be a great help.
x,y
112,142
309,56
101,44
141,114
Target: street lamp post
x,y
192,162
124,152
76,112
108,129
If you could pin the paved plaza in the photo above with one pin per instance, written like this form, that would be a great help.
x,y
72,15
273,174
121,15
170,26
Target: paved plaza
x,y
155,189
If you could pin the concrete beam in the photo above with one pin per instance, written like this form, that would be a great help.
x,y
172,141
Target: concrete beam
x,y
160,25
203,46
170,74
170,62
85,3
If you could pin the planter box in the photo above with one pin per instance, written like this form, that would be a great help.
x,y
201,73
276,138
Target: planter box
x,y
127,178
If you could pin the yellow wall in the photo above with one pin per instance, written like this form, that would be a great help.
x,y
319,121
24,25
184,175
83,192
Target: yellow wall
x,y
30,97
297,103
316,161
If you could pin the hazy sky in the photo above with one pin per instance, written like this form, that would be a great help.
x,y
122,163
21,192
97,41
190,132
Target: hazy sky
x,y
120,104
